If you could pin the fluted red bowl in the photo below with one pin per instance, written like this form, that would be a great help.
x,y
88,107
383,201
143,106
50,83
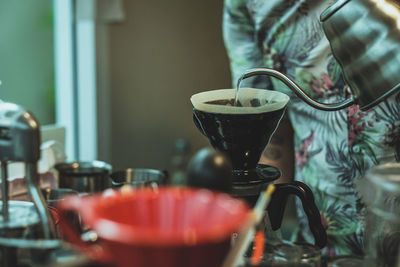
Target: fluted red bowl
x,y
170,227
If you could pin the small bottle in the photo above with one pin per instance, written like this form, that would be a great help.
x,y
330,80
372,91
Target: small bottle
x,y
179,161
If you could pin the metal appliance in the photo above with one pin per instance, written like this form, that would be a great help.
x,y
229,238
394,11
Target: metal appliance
x,y
26,225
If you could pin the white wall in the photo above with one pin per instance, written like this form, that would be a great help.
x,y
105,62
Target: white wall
x,y
161,54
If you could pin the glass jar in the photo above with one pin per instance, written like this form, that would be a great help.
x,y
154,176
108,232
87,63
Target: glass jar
x,y
380,192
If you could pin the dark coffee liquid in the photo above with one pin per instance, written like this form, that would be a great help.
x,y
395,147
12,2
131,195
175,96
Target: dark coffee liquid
x,y
223,102
255,102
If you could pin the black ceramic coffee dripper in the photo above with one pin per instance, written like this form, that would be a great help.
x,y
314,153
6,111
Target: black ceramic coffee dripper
x,y
243,137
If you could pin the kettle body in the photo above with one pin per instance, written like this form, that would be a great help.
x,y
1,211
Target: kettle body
x,y
364,36
365,40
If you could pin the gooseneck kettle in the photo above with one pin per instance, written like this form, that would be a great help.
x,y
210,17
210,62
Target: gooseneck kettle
x,y
364,36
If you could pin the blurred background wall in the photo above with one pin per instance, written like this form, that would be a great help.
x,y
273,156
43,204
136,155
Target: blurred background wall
x,y
161,54
26,56
155,57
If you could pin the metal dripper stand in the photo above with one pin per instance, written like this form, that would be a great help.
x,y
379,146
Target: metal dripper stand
x,y
23,224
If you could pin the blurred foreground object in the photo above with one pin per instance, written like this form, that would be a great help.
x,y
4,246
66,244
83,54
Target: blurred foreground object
x,y
171,227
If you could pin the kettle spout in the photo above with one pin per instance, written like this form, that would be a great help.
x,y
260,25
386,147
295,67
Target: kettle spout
x,y
296,89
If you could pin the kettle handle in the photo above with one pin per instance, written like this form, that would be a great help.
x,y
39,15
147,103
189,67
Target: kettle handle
x,y
332,9
296,89
277,205
70,233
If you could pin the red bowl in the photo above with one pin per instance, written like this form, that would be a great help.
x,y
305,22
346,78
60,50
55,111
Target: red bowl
x,y
169,227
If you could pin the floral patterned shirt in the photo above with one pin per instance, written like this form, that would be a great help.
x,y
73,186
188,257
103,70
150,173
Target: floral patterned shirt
x,y
332,148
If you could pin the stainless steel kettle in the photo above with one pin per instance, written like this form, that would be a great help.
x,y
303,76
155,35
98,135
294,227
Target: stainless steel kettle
x,y
364,36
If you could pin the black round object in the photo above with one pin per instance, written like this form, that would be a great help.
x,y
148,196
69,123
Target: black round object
x,y
210,169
